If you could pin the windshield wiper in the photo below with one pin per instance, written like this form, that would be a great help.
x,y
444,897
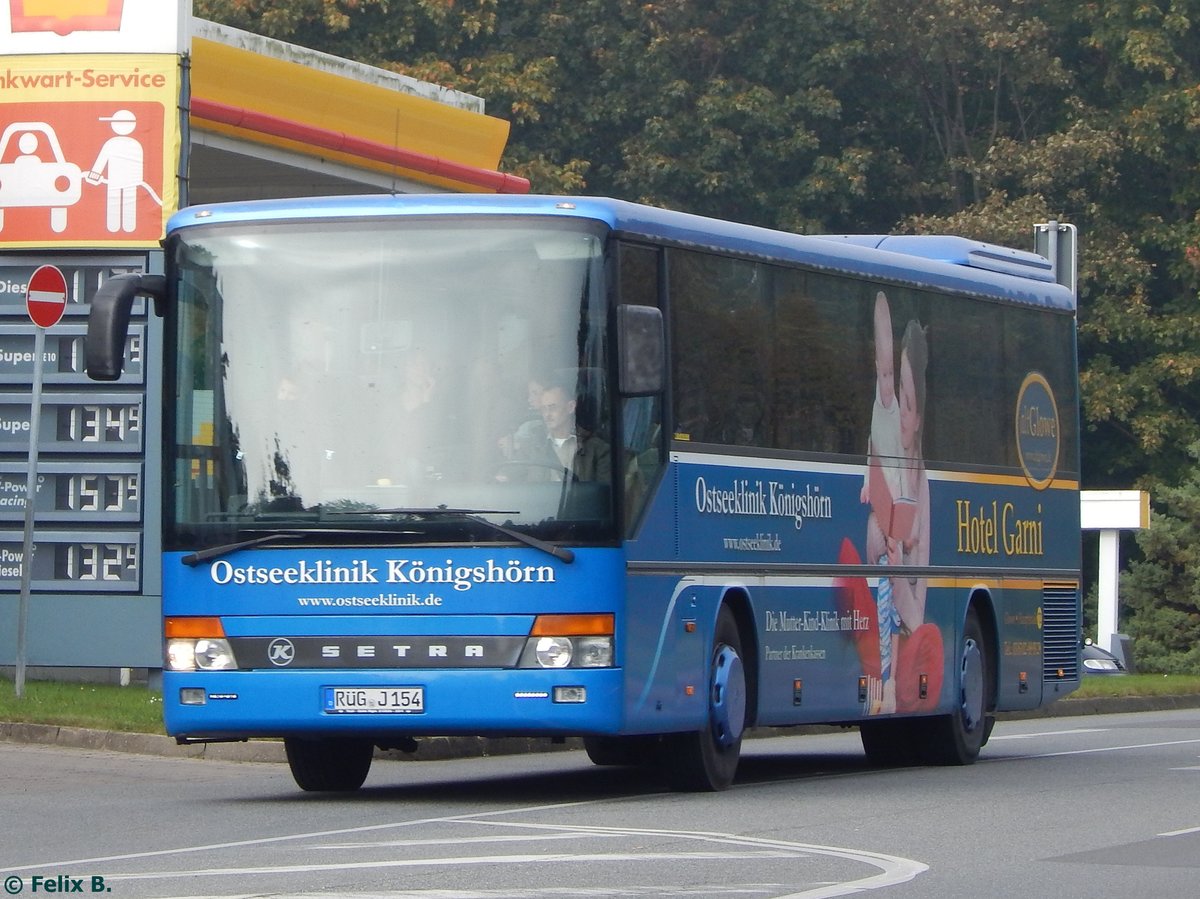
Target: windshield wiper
x,y
476,517
213,552
203,555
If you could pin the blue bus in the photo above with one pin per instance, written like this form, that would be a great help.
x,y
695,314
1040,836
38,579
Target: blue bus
x,y
550,466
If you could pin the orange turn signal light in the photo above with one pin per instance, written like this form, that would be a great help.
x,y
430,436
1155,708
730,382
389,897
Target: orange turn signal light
x,y
572,626
197,628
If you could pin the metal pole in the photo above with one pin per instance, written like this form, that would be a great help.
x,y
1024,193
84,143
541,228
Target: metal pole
x,y
35,415
1052,235
1107,574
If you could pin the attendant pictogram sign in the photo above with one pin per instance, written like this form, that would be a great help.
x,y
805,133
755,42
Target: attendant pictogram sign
x,y
46,298
88,149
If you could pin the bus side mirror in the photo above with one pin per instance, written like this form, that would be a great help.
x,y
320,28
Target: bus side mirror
x,y
642,349
108,322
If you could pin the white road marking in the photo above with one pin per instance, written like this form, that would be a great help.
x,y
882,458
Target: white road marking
x,y
1050,755
1179,833
893,869
527,893
408,844
560,858
1047,733
264,841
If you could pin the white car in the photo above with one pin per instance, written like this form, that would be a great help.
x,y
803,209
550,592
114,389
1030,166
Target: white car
x,y
30,180
1100,661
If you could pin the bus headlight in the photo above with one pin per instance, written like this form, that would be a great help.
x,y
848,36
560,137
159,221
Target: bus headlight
x,y
553,652
181,655
569,641
594,652
211,654
197,644
214,655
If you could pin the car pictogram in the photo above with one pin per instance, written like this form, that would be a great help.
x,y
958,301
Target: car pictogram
x,y
37,175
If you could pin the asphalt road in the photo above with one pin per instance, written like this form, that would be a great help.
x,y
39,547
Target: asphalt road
x,y
1103,805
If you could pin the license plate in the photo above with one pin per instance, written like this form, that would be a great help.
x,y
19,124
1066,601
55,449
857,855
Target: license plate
x,y
387,700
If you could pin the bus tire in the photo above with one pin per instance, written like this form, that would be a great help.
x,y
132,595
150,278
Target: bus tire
x,y
956,739
706,760
636,751
893,743
331,765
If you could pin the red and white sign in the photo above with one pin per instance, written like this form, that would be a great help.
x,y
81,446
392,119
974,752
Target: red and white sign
x,y
65,16
94,26
46,298
88,173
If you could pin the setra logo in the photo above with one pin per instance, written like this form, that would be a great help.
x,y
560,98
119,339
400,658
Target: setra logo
x,y
281,652
65,16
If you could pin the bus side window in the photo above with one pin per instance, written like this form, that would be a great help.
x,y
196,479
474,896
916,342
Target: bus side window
x,y
721,355
641,416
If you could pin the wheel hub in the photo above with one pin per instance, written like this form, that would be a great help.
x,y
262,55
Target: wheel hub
x,y
972,686
728,697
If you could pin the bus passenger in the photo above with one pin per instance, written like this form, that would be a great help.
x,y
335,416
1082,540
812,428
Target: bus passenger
x,y
532,431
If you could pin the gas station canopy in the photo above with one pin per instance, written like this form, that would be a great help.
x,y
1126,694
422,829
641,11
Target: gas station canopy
x,y
270,119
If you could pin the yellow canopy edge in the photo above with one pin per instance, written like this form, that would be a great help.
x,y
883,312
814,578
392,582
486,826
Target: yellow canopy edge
x,y
320,99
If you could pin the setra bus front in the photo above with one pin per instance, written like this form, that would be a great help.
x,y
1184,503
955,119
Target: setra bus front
x,y
392,502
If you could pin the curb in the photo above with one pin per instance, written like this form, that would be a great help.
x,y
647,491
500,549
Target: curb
x,y
265,750
140,744
442,748
1109,705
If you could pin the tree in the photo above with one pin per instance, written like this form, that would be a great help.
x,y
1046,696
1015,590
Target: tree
x,y
1116,154
856,115
1161,592
1137,70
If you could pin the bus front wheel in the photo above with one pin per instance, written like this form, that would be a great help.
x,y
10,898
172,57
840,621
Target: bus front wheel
x,y
707,759
629,752
329,765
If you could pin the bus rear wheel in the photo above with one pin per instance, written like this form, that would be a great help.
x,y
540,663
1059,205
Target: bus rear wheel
x,y
338,765
957,738
707,759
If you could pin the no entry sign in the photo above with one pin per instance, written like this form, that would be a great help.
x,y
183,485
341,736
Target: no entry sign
x,y
46,298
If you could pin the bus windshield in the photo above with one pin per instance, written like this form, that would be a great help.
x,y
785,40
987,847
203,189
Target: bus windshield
x,y
390,381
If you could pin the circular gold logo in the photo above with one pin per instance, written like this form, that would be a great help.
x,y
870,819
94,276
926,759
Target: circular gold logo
x,y
1039,431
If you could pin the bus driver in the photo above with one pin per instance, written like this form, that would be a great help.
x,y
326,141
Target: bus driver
x,y
565,447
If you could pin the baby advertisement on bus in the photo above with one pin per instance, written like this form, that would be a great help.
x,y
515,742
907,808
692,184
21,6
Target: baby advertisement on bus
x,y
900,644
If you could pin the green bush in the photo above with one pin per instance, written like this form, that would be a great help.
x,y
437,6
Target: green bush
x,y
1160,594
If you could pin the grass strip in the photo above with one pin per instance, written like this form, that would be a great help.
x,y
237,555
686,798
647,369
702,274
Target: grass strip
x,y
133,709
1104,686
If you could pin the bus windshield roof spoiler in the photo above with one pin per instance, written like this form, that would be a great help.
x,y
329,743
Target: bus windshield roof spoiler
x,y
956,251
108,322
